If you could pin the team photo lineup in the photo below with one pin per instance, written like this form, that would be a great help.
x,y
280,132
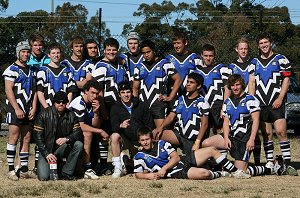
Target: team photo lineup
x,y
180,116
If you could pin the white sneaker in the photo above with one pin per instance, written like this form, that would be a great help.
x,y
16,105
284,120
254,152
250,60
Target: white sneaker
x,y
271,166
28,175
225,174
240,174
12,175
117,173
90,174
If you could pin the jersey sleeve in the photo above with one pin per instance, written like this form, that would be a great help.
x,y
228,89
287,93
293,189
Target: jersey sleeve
x,y
285,67
139,163
225,73
78,109
169,69
41,80
136,72
10,74
99,73
203,108
253,104
71,87
251,67
168,147
224,108
175,106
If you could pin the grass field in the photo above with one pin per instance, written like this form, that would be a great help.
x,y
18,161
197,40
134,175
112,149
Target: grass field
x,y
128,186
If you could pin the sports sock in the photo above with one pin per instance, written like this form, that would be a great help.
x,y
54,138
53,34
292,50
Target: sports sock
x,y
269,149
10,155
226,164
215,175
257,150
24,159
285,148
258,170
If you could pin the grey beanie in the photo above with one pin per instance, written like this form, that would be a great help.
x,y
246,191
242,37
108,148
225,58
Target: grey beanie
x,y
133,35
23,45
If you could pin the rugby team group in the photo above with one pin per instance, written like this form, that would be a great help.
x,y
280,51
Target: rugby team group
x,y
74,109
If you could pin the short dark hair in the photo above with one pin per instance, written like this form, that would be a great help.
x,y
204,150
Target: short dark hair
x,y
111,42
124,85
36,37
263,35
208,47
144,131
197,77
92,84
54,46
235,78
148,43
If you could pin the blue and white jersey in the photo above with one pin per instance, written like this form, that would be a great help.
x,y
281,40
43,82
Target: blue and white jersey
x,y
35,62
24,83
241,69
52,80
269,74
153,160
189,113
82,110
131,62
153,79
184,64
215,78
239,111
110,75
79,69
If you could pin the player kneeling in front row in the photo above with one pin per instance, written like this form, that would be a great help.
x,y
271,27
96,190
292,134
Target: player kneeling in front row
x,y
159,160
241,121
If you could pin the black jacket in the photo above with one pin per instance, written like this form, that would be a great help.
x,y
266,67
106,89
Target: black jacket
x,y
140,117
46,125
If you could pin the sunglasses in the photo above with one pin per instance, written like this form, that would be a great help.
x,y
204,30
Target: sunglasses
x,y
61,101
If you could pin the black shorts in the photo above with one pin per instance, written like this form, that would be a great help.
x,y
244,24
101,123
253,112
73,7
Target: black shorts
x,y
11,117
181,170
184,144
270,115
214,117
238,150
158,110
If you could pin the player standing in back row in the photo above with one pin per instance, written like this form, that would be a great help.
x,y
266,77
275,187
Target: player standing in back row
x,y
269,80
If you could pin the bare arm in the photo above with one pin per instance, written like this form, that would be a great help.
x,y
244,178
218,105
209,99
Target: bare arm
x,y
284,88
251,85
174,160
167,121
176,86
254,129
135,88
42,99
203,128
226,131
86,128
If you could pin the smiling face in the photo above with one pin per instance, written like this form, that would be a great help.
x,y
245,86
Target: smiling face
x,y
125,96
180,46
55,55
265,46
24,55
110,53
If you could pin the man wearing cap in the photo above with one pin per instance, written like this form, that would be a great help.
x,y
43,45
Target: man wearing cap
x,y
58,135
133,57
21,107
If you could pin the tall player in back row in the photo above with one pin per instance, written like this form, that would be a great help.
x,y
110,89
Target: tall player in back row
x,y
150,81
183,59
215,77
269,80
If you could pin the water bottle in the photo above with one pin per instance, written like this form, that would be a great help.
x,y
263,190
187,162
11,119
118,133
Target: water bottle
x,y
53,171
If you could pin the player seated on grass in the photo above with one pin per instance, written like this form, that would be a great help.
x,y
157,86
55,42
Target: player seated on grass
x,y
157,160
241,121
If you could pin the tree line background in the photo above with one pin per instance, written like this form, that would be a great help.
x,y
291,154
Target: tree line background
x,y
206,21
